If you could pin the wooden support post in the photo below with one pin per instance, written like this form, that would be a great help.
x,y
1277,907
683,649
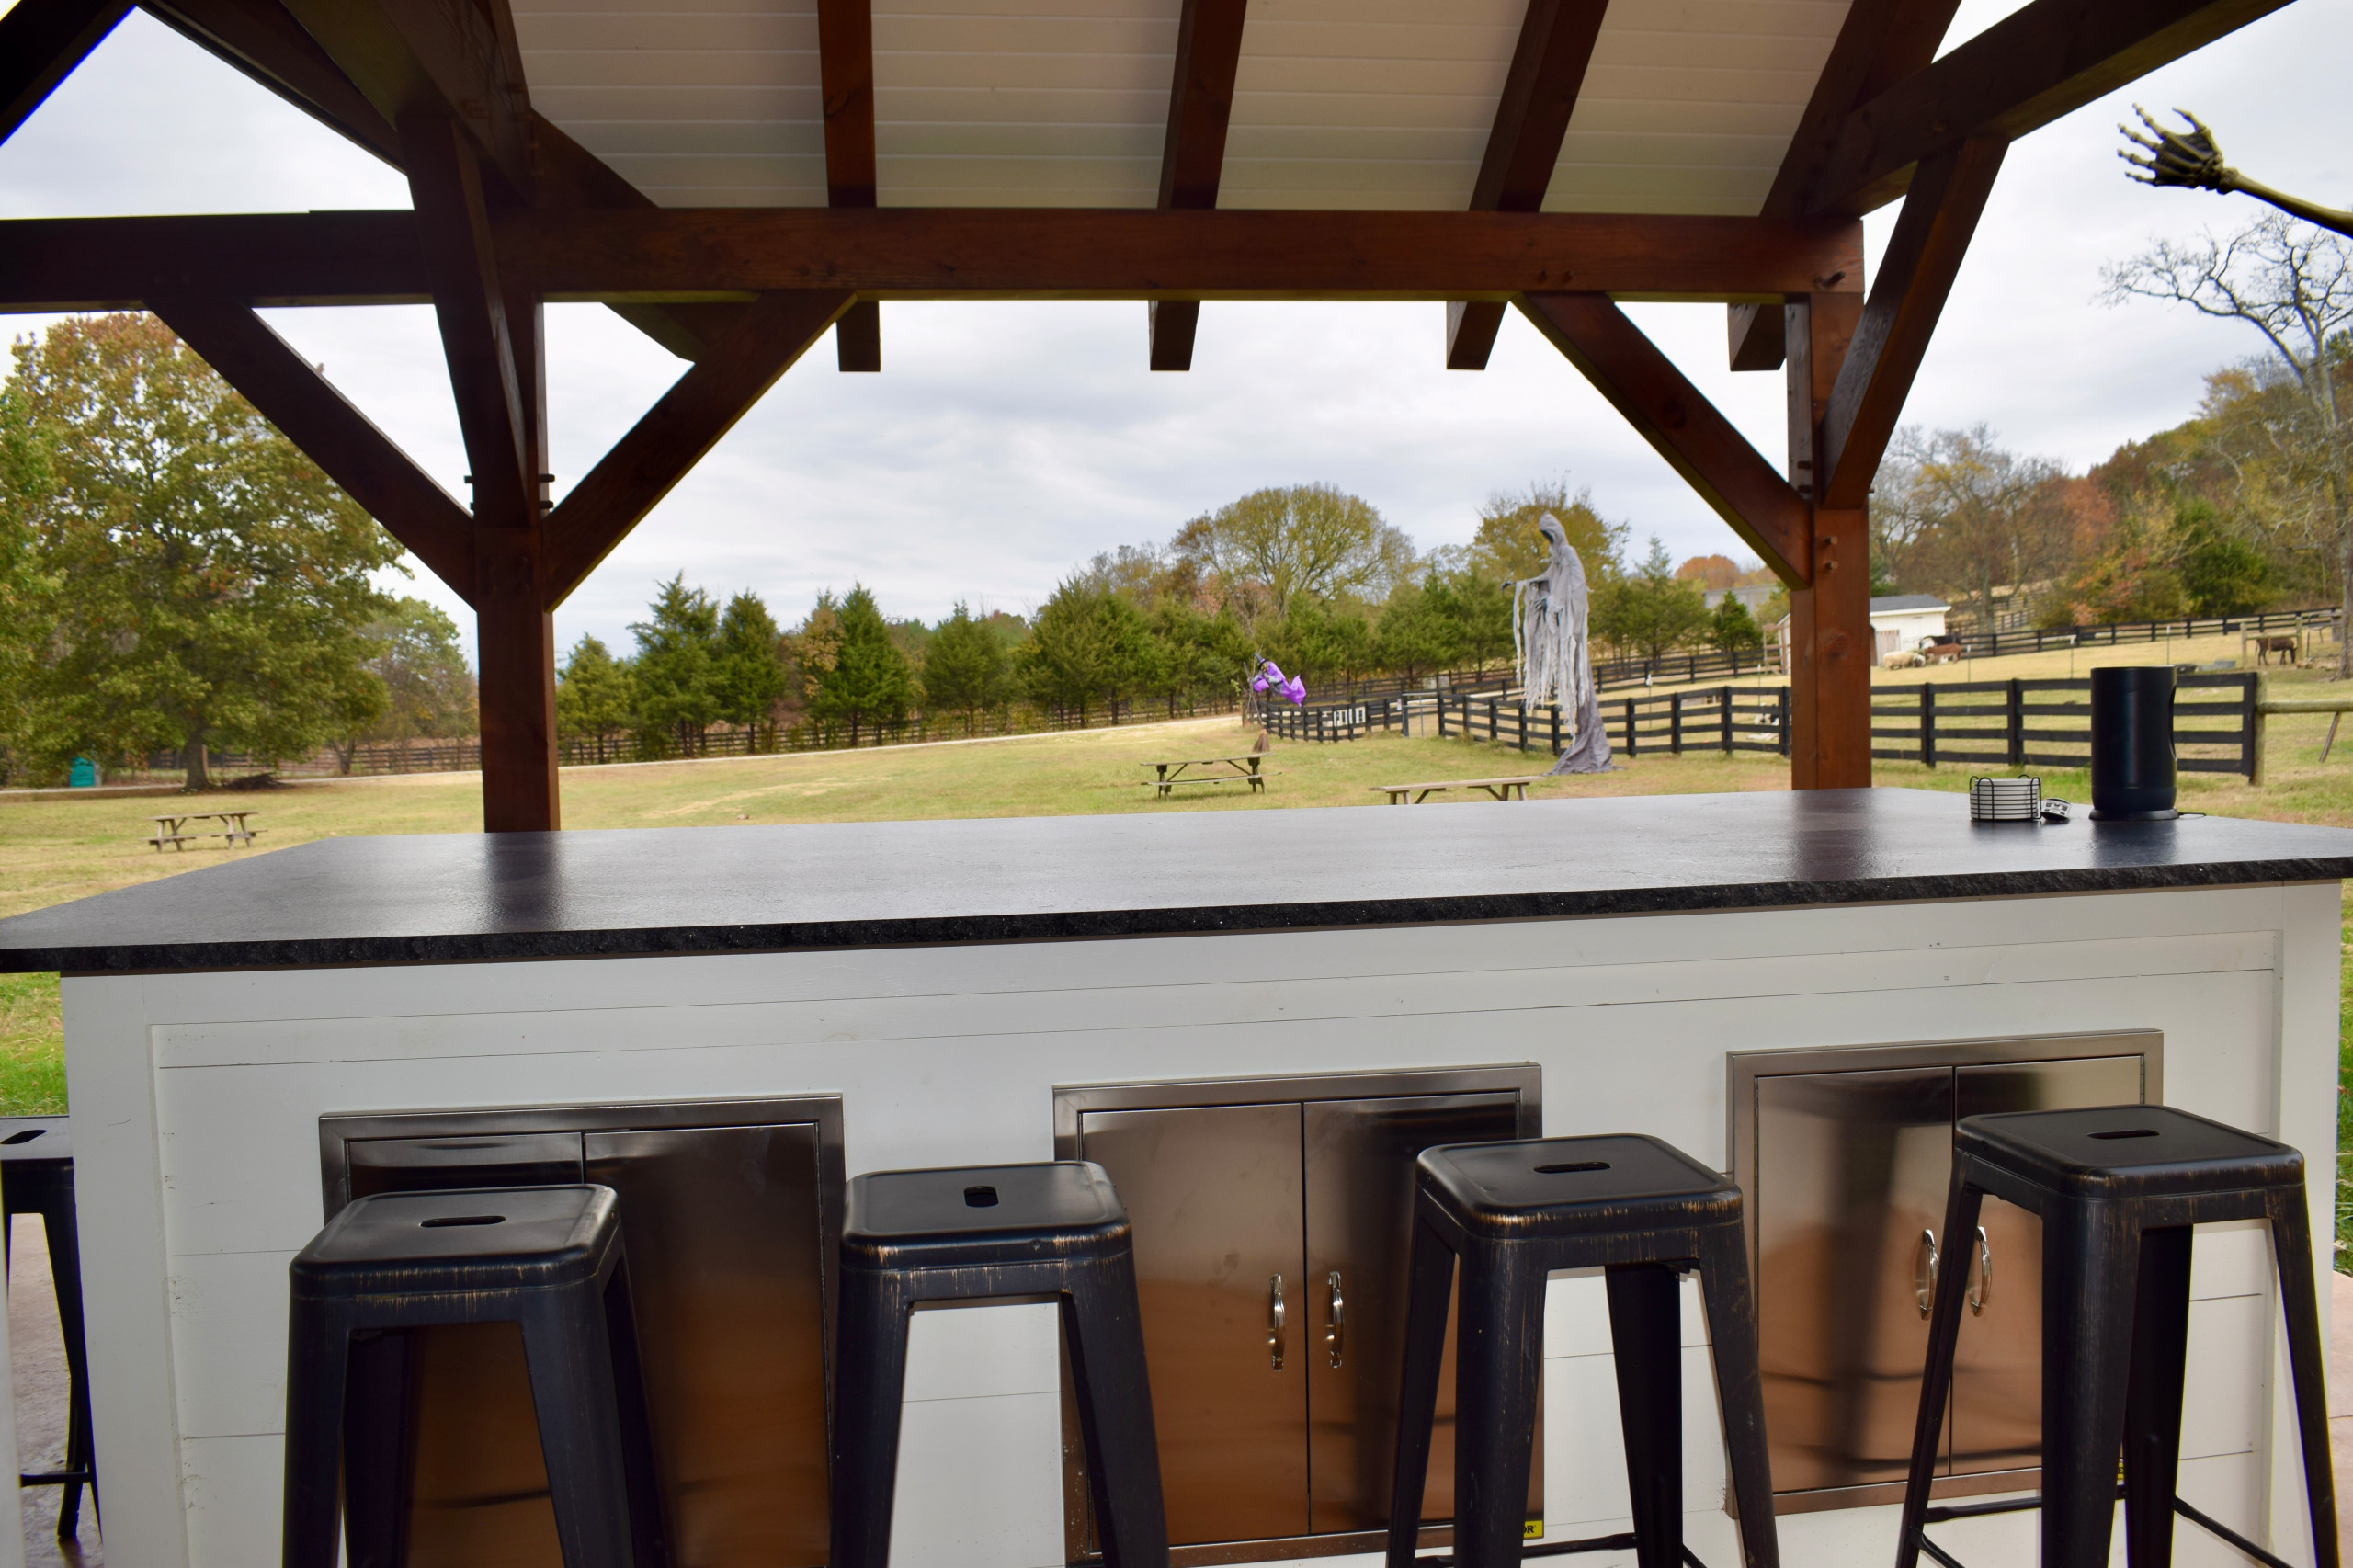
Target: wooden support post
x,y
1829,732
2256,771
1927,724
1725,697
514,625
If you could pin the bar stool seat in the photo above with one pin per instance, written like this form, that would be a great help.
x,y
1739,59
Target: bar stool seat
x,y
37,1177
2118,1189
549,1260
1051,1232
1511,1213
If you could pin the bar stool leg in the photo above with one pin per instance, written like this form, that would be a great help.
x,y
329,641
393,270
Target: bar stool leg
x,y
868,1386
1430,1285
375,1449
1498,1358
2094,1253
649,1537
316,1369
1645,1315
2291,1242
1114,1392
1961,1205
2152,1401
57,1218
580,1428
1740,1391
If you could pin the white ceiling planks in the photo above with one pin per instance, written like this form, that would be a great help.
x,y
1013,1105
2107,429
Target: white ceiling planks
x,y
1383,104
1689,105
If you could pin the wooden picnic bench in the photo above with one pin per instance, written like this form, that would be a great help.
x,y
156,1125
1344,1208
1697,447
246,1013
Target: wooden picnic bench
x,y
1167,776
175,831
1415,794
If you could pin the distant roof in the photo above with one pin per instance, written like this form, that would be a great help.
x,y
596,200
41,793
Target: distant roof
x,y
1908,601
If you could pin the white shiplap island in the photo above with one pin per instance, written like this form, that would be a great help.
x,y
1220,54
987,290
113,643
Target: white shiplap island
x,y
945,979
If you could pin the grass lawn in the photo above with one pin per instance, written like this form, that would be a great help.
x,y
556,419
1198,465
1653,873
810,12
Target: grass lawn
x,y
55,850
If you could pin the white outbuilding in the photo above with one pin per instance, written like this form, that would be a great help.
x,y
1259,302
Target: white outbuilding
x,y
1906,621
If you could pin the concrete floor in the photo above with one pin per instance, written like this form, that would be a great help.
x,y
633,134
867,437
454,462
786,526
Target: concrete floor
x,y
40,1403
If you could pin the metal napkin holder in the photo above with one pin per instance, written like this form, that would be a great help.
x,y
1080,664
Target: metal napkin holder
x,y
2013,800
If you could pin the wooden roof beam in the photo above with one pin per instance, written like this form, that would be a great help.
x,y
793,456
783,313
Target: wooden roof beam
x,y
292,395
675,255
1682,426
1548,65
1192,154
846,74
2024,72
41,42
261,39
429,58
686,423
1923,258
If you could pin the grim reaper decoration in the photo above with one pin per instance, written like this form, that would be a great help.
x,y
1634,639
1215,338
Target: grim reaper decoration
x,y
1548,634
2192,158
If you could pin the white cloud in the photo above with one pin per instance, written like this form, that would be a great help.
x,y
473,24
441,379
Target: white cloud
x,y
1006,442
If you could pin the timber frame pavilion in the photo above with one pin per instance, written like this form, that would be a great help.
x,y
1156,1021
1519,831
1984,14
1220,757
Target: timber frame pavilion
x,y
1724,150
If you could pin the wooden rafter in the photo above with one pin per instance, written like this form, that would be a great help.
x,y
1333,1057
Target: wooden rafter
x,y
261,39
679,429
1679,422
430,58
1923,256
292,395
41,42
470,302
2025,71
1556,40
1192,154
846,76
686,255
1881,43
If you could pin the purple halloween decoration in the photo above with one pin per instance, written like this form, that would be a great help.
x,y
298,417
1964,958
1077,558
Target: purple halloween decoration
x,y
1270,675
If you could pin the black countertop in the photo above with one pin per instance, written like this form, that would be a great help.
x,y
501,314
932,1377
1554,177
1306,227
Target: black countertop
x,y
453,897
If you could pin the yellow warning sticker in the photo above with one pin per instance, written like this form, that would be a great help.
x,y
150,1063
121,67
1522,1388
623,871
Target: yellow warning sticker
x,y
1532,1529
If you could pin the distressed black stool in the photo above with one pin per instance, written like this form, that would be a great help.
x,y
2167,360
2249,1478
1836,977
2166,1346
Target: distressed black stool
x,y
547,1258
2118,1189
37,1177
994,1233
1644,1212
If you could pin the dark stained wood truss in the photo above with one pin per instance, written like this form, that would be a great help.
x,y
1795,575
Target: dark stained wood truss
x,y
1679,422
41,42
1547,66
1192,156
846,76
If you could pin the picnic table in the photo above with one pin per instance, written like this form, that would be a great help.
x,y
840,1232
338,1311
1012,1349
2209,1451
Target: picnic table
x,y
175,831
1415,794
1243,769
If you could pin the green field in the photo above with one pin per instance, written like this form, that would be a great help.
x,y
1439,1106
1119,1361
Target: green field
x,y
55,849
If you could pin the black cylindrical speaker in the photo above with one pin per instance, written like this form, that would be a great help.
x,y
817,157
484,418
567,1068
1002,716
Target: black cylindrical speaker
x,y
2133,765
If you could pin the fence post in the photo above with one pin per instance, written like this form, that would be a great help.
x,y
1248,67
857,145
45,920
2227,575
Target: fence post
x,y
1556,728
2018,723
1781,720
1493,733
1928,723
1725,697
1675,723
2251,729
1630,747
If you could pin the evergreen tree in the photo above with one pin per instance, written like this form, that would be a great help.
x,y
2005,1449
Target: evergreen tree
x,y
595,697
750,679
1732,629
1479,609
964,669
1650,610
1416,637
1194,656
678,668
870,686
1317,642
1088,646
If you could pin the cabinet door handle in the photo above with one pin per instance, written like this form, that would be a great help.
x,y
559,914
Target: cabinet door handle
x,y
1335,1336
1275,1323
1981,1294
1923,1273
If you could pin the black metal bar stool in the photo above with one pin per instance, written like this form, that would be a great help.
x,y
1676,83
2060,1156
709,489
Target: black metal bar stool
x,y
37,1177
547,1258
2118,1189
1644,1212
994,1233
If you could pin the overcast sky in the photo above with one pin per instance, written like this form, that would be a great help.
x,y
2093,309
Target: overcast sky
x,y
1005,443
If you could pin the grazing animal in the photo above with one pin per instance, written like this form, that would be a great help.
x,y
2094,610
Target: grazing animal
x,y
2288,645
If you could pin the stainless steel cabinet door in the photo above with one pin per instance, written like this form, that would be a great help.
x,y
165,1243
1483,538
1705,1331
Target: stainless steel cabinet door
x,y
722,1227
1359,1176
1851,1175
1998,1367
1213,1193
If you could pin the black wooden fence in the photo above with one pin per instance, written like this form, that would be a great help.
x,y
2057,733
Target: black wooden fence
x,y
1724,718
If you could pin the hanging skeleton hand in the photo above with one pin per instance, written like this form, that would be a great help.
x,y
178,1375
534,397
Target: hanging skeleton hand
x,y
2189,158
